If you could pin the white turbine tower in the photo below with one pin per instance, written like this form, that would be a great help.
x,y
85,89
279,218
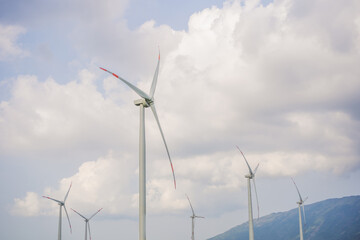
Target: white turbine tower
x,y
61,204
147,100
250,176
300,204
193,216
87,224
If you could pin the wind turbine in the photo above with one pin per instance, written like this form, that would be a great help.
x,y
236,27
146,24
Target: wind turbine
x,y
87,224
300,204
61,204
250,176
193,216
147,100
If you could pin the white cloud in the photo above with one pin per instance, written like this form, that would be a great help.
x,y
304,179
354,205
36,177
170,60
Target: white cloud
x,y
9,48
263,78
110,182
238,78
106,182
101,183
48,117
29,206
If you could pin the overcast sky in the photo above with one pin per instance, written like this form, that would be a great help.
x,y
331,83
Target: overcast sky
x,y
280,79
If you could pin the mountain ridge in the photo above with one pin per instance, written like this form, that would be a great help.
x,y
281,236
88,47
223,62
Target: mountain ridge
x,y
330,219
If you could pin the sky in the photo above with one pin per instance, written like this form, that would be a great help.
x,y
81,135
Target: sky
x,y
279,79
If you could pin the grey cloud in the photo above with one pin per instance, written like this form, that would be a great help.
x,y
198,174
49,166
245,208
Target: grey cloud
x,y
259,77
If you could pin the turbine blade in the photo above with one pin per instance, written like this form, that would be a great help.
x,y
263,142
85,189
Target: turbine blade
x,y
162,135
89,229
154,82
199,217
67,215
303,208
297,190
67,193
190,205
60,202
95,213
250,171
305,199
256,168
79,214
257,201
136,89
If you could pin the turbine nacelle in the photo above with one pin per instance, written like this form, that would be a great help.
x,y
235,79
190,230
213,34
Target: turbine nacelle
x,y
250,176
145,102
302,201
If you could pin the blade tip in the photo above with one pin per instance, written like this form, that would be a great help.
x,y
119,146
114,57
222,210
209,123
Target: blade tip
x,y
240,150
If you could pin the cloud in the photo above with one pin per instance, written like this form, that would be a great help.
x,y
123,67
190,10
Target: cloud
x,y
111,181
132,54
48,117
263,78
106,182
101,183
9,48
29,206
245,76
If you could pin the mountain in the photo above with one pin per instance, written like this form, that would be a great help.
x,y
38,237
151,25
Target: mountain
x,y
331,219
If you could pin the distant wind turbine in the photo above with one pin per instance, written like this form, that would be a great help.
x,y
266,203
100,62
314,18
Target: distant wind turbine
x,y
193,216
61,204
145,101
300,204
87,224
250,176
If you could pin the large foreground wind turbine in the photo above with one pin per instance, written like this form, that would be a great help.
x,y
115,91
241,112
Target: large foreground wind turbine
x,y
61,204
87,224
300,204
250,176
193,216
145,101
